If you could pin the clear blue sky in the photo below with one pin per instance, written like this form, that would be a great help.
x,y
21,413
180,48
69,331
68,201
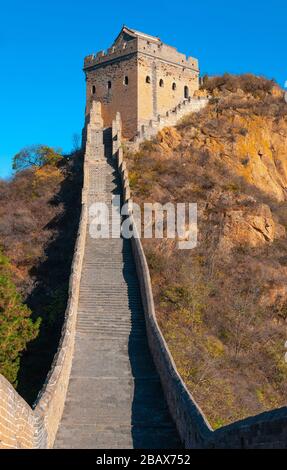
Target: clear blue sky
x,y
43,44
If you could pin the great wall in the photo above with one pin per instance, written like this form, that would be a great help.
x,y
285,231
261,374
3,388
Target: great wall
x,y
113,382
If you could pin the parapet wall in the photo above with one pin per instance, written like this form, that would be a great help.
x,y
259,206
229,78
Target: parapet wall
x,y
170,118
111,54
20,425
166,53
51,401
156,49
266,430
192,426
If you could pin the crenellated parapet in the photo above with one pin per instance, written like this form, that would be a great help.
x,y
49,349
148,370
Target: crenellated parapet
x,y
168,54
142,45
141,77
111,54
169,118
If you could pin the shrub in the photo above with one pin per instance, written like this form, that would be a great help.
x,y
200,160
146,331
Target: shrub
x,y
224,331
133,179
248,83
35,156
16,326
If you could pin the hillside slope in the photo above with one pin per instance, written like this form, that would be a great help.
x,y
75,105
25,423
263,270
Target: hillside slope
x,y
223,306
39,215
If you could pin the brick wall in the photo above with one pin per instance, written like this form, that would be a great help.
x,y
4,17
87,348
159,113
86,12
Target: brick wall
x,y
154,99
20,426
138,101
119,97
169,118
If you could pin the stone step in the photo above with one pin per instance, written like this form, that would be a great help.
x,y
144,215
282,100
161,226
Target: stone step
x,y
110,322
109,315
114,399
116,330
101,330
109,292
100,291
115,297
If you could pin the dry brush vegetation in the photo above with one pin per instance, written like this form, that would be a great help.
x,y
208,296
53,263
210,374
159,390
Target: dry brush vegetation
x,y
39,214
223,306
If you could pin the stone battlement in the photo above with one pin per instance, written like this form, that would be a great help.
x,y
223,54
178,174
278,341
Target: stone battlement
x,y
170,118
107,56
161,51
140,77
143,44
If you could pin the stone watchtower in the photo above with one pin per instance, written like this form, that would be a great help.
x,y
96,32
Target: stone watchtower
x,y
140,77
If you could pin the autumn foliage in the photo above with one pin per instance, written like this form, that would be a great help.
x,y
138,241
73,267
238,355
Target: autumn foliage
x,y
39,215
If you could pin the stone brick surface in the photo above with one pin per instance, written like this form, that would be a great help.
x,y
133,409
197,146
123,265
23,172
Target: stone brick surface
x,y
140,77
18,422
115,398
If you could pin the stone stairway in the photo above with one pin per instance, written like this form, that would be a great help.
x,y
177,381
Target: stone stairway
x,y
170,118
115,399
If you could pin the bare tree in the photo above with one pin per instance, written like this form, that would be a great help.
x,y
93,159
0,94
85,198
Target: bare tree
x,y
76,141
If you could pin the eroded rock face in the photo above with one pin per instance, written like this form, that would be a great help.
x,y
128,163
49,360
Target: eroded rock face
x,y
248,144
168,138
237,221
263,154
253,227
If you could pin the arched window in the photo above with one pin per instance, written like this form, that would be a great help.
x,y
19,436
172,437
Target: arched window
x,y
147,79
186,92
173,86
126,80
161,82
109,85
93,89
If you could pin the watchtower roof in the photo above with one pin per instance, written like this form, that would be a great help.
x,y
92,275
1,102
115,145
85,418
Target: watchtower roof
x,y
137,34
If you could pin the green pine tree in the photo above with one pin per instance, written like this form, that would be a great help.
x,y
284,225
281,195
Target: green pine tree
x,y
16,326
